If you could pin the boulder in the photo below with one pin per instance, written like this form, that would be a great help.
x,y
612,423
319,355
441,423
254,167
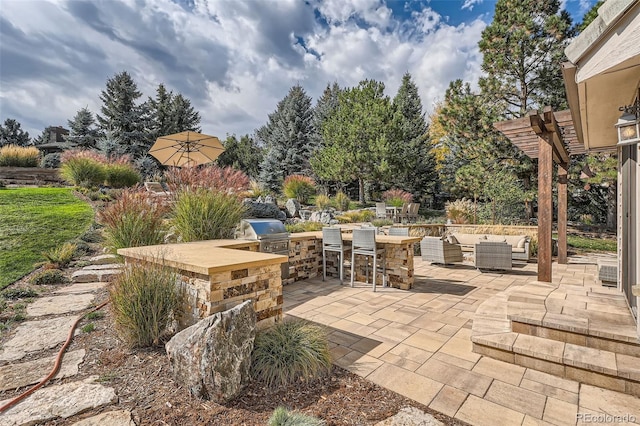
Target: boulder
x,y
264,210
212,358
293,207
324,216
305,214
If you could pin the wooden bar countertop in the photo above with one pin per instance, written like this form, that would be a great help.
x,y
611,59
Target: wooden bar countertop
x,y
204,257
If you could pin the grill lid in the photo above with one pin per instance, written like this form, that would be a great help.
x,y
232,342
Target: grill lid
x,y
257,229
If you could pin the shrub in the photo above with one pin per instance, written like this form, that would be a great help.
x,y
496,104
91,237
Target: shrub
x,y
356,216
82,171
299,187
256,190
92,235
381,222
61,256
82,249
49,276
322,202
459,211
283,417
134,219
144,299
210,177
304,227
121,175
290,351
18,293
397,197
19,156
206,215
342,201
50,161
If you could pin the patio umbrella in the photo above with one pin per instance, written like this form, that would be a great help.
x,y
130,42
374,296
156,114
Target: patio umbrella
x,y
186,148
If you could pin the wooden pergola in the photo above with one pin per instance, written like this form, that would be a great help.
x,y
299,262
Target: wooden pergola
x,y
550,137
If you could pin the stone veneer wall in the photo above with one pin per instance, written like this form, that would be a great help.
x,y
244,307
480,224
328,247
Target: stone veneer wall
x,y
305,259
206,295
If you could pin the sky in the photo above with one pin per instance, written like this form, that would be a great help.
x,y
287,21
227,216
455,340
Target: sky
x,y
234,59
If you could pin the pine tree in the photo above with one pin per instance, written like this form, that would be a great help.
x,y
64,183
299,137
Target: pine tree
x,y
125,120
243,154
183,116
161,109
287,139
326,104
82,133
12,134
356,137
410,156
521,51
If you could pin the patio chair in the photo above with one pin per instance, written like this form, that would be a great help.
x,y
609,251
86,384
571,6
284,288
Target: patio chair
x,y
332,241
156,188
364,244
381,211
399,232
493,255
403,213
412,214
437,250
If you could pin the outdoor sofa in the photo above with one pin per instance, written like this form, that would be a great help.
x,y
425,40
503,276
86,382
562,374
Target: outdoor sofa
x,y
520,244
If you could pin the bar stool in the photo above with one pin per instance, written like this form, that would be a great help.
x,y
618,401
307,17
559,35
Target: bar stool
x,y
332,241
364,243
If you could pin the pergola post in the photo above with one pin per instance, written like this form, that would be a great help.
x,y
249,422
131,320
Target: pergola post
x,y
563,169
545,205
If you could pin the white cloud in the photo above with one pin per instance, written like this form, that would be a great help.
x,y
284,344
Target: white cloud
x,y
468,4
234,59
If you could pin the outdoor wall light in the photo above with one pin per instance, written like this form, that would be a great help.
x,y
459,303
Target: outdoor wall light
x,y
628,124
628,129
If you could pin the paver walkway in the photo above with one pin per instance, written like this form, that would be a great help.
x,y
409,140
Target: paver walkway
x,y
418,343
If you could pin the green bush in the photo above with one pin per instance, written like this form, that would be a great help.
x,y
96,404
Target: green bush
x,y
144,299
49,276
299,187
134,219
283,417
61,256
290,351
322,202
121,175
304,227
18,293
92,235
381,222
342,201
206,215
19,156
83,171
82,249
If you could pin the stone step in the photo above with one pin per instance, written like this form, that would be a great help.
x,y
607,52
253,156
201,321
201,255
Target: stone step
x,y
104,259
621,338
59,401
17,375
95,275
603,368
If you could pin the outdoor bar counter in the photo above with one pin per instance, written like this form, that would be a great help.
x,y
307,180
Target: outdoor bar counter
x,y
305,259
219,274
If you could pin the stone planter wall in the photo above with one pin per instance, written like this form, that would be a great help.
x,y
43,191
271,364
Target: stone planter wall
x,y
305,259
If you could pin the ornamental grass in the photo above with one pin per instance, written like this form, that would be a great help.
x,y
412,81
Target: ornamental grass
x,y
19,156
299,187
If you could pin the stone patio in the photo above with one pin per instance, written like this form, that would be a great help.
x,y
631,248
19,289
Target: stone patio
x,y
419,342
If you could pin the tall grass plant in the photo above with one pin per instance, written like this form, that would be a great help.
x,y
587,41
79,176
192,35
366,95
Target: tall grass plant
x,y
19,156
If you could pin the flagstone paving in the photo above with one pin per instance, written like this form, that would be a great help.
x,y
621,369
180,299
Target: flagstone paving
x,y
418,342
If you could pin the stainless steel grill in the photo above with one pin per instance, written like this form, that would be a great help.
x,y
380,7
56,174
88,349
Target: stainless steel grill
x,y
270,233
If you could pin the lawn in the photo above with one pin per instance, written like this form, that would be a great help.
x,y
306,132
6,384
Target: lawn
x,y
34,220
591,244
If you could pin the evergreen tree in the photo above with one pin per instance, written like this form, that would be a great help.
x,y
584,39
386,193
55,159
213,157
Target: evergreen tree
x,y
356,137
410,156
161,108
521,51
125,120
243,154
184,116
82,133
287,139
11,133
589,16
